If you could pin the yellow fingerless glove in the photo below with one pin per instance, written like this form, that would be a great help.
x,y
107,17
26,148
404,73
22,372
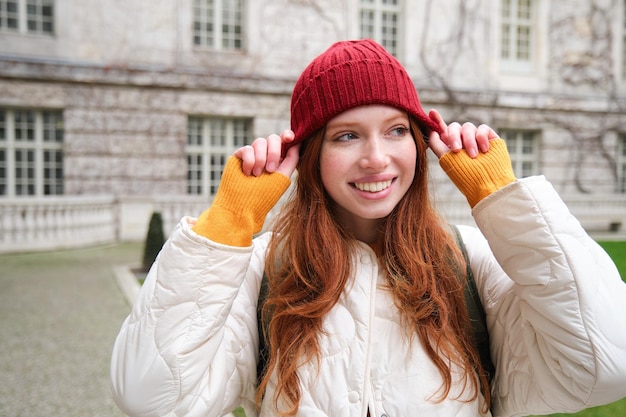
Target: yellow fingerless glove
x,y
240,205
477,178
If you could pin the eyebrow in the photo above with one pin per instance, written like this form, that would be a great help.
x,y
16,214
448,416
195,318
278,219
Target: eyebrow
x,y
349,123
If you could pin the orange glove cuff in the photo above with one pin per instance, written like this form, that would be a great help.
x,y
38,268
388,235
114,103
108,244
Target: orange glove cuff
x,y
478,177
240,205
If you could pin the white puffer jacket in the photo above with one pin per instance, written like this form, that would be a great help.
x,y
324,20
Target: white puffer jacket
x,y
555,304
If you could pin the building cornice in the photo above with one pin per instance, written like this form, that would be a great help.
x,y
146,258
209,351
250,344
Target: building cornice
x,y
219,80
523,100
213,79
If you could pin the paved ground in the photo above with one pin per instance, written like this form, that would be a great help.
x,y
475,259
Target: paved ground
x,y
59,315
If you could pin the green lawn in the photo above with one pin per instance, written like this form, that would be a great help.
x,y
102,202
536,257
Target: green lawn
x,y
616,409
617,252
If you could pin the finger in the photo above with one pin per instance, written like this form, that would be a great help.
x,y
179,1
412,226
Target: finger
x,y
468,135
436,117
246,154
483,134
438,146
274,147
288,136
290,162
452,137
260,156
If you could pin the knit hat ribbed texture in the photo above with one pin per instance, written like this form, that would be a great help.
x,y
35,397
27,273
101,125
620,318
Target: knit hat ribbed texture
x,y
347,75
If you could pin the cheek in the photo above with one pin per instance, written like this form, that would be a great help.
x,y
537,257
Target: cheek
x,y
408,157
330,167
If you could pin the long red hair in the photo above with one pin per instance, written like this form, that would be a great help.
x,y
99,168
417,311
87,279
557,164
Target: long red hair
x,y
420,256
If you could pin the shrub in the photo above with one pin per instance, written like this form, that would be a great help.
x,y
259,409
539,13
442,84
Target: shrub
x,y
154,241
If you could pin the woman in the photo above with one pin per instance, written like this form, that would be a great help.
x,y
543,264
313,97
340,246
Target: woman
x,y
365,312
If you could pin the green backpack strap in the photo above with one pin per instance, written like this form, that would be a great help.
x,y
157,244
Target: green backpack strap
x,y
474,307
264,349
475,311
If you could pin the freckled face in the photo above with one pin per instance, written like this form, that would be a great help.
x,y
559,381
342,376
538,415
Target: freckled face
x,y
367,163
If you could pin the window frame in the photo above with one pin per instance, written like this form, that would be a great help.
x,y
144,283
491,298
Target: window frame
x,y
379,11
210,157
29,17
216,38
621,163
515,142
510,39
31,153
623,61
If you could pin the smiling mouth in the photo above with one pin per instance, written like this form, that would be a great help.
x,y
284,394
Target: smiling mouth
x,y
372,187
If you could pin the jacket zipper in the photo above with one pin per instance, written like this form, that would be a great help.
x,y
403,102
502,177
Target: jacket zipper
x,y
373,265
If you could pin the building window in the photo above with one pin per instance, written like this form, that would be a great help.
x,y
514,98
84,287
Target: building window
x,y
621,164
380,20
210,141
523,148
624,41
517,31
218,24
27,16
8,15
31,153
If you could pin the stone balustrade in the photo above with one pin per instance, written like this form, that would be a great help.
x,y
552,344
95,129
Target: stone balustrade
x,y
30,224
35,224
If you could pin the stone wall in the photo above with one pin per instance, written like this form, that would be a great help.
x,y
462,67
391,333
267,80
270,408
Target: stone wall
x,y
127,76
129,139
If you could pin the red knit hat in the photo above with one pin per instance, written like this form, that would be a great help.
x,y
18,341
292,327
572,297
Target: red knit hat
x,y
347,75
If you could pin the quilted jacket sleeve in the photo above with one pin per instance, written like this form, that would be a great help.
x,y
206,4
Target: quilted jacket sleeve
x,y
555,304
189,346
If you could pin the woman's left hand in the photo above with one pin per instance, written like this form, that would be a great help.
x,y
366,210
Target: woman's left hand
x,y
264,155
456,137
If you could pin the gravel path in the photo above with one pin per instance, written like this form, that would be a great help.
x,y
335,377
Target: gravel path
x,y
59,315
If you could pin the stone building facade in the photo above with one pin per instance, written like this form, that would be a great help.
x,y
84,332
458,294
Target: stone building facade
x,y
142,101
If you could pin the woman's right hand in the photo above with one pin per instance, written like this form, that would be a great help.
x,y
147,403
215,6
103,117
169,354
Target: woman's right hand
x,y
264,155
245,194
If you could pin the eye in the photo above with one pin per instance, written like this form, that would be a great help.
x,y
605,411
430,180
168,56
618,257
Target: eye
x,y
399,131
345,137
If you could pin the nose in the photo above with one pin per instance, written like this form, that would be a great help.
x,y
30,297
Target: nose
x,y
374,154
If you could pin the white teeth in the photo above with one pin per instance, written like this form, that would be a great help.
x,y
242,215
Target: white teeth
x,y
373,187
